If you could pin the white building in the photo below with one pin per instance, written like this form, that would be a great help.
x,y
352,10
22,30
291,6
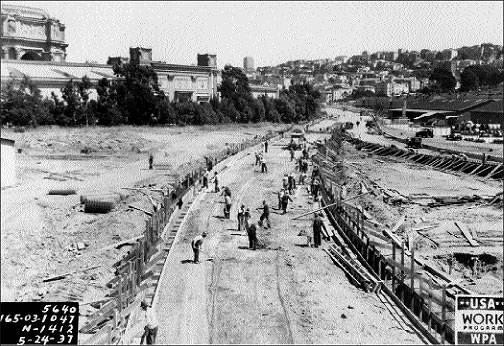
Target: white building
x,y
260,90
8,162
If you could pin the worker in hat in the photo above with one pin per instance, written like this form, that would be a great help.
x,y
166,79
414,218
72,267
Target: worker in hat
x,y
197,244
151,324
280,195
265,215
252,236
317,229
246,218
241,218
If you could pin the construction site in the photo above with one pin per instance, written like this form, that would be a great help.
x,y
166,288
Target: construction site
x,y
405,231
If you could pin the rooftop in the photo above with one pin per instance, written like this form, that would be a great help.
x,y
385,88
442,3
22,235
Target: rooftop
x,y
492,107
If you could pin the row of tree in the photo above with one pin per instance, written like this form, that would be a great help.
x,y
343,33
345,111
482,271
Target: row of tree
x,y
134,97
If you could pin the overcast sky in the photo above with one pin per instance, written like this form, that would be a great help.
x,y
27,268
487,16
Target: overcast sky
x,y
270,32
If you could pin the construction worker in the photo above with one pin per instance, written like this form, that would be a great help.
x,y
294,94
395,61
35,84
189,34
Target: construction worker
x,y
266,146
226,191
317,229
285,182
241,218
252,236
264,168
315,187
151,161
302,178
280,195
205,180
265,215
246,218
197,244
258,158
292,183
151,324
227,208
285,202
305,153
216,182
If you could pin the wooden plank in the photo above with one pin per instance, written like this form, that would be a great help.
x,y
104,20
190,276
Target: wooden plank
x,y
137,208
463,228
64,275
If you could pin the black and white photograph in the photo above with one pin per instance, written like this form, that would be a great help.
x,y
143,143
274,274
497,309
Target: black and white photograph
x,y
252,172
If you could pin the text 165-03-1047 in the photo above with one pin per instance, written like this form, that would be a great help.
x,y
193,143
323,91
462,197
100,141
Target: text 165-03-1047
x,y
39,323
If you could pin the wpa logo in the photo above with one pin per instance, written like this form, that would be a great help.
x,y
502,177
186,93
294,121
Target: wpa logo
x,y
479,320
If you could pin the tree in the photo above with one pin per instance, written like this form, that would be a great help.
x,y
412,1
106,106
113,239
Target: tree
x,y
443,79
487,75
469,80
234,84
22,104
137,92
107,110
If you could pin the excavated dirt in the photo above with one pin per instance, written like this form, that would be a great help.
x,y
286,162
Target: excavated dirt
x,y
40,232
443,239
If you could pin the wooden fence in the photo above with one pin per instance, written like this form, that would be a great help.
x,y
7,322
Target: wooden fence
x,y
422,299
134,270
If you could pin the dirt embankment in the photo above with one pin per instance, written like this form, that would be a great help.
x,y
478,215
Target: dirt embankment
x,y
45,235
440,241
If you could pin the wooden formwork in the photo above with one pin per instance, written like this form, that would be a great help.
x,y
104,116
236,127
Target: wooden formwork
x,y
423,300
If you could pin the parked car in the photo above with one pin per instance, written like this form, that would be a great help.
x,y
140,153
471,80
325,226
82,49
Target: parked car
x,y
425,133
454,137
415,142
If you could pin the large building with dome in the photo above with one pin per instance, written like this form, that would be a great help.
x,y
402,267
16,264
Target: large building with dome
x,y
33,46
29,33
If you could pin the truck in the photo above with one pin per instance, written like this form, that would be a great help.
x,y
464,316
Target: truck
x,y
415,142
425,133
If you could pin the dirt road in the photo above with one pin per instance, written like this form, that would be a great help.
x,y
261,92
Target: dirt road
x,y
282,293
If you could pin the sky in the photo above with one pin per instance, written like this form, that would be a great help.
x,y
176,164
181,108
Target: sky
x,y
270,32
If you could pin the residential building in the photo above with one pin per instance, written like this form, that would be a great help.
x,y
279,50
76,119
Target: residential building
x,y
449,54
260,90
248,63
490,114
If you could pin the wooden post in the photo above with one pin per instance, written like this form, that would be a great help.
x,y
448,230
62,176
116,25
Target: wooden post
x,y
119,295
420,281
379,267
429,316
393,267
412,284
140,262
402,271
443,314
362,218
147,235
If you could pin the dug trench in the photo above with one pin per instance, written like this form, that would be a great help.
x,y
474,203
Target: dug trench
x,y
284,292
